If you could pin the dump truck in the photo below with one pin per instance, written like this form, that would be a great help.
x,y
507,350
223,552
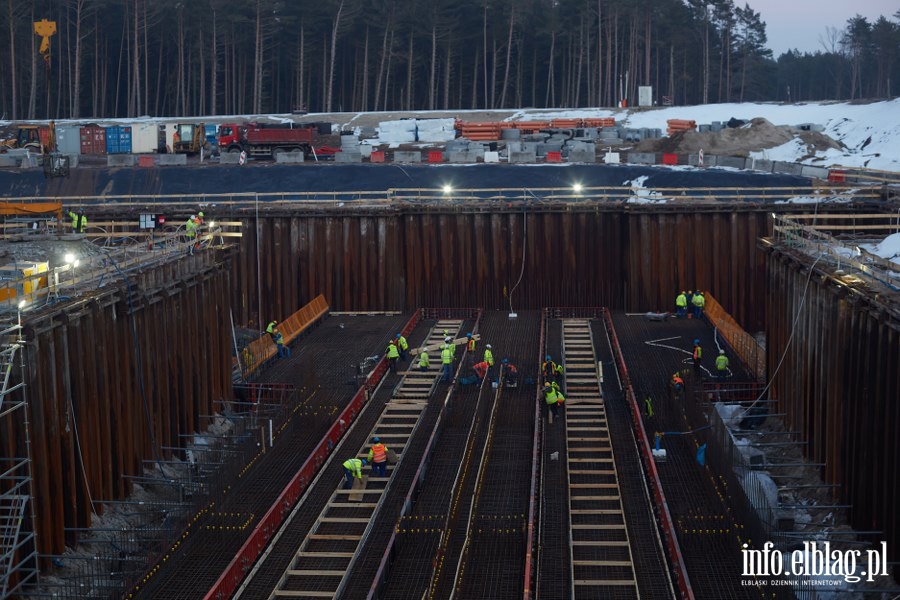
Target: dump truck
x,y
266,141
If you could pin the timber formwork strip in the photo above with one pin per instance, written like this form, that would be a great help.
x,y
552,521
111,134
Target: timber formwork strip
x,y
601,562
327,554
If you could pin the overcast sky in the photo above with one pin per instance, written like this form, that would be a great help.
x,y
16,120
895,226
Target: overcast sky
x,y
801,24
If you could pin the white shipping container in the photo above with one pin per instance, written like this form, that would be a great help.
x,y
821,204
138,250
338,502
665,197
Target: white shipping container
x,y
144,138
68,139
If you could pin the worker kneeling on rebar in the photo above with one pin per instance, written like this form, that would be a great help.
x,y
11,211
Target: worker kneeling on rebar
x,y
353,468
510,373
481,369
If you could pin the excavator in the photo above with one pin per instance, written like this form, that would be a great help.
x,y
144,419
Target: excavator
x,y
190,138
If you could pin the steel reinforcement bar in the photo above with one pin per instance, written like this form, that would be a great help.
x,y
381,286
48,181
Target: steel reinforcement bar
x,y
383,572
667,525
535,475
237,569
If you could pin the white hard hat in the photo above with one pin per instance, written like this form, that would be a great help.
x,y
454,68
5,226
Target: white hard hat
x,y
193,216
424,349
447,339
488,346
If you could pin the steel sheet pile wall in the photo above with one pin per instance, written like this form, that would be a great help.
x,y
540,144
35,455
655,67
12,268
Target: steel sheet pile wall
x,y
112,392
591,256
839,384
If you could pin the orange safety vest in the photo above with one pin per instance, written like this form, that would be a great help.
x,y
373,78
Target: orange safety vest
x,y
677,381
379,453
481,369
471,345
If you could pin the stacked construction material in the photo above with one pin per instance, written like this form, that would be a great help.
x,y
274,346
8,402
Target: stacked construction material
x,y
479,132
676,125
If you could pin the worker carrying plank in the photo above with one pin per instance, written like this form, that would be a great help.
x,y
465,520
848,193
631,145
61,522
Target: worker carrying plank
x,y
353,469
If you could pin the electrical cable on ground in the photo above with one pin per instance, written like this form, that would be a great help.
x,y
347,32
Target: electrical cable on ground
x,y
524,247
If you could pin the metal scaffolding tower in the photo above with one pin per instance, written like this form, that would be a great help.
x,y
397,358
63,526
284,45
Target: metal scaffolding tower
x,y
18,550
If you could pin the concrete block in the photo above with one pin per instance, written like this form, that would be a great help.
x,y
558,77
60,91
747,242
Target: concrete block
x,y
734,162
458,146
530,146
407,156
8,161
641,158
365,150
787,168
289,158
716,126
73,160
510,134
514,146
522,157
491,157
172,160
760,164
575,146
474,156
120,160
811,127
703,128
458,157
589,133
345,157
228,158
546,147
612,158
814,172
583,156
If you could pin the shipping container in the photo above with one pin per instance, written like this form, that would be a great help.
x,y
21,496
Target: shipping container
x,y
93,140
118,140
68,139
144,138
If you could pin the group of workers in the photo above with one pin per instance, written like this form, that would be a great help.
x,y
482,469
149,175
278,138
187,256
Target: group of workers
x,y
690,300
192,229
552,374
378,457
396,351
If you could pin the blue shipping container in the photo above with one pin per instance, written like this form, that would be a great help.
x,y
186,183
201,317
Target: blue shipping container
x,y
118,140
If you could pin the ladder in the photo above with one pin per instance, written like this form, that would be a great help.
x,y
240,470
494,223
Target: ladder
x,y
602,564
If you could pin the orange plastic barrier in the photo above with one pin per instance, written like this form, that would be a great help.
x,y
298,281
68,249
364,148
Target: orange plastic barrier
x,y
670,159
257,352
145,161
554,157
435,156
377,156
744,344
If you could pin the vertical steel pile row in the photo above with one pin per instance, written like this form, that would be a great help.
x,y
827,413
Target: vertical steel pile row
x,y
833,359
114,379
572,258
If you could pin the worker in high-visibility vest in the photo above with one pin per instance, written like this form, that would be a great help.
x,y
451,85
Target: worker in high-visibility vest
x,y
722,363
553,397
393,353
699,302
79,221
510,373
402,345
550,370
677,384
481,369
449,341
470,345
681,304
353,468
447,363
697,355
423,359
378,458
272,329
488,355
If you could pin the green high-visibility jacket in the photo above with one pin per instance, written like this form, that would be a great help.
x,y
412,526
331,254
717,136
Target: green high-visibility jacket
x,y
721,362
681,300
698,300
403,344
79,222
489,357
392,351
355,467
552,396
423,359
446,354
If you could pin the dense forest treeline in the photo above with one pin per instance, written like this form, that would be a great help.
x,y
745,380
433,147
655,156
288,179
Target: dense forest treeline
x,y
121,58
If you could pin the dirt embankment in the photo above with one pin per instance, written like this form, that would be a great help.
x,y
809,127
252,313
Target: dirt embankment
x,y
758,134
